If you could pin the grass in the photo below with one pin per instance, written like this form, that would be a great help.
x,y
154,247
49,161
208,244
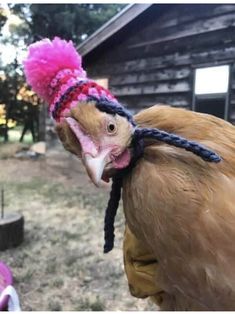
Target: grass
x,y
54,305
90,305
60,265
58,282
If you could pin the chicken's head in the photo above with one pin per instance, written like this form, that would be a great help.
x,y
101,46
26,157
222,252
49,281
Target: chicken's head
x,y
89,120
100,139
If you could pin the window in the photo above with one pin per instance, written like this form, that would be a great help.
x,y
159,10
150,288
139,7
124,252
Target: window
x,y
211,90
212,80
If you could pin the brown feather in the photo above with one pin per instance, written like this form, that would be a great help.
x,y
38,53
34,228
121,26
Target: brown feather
x,y
89,118
183,208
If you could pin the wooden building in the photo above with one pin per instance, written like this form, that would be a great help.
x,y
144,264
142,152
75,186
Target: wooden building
x,y
179,54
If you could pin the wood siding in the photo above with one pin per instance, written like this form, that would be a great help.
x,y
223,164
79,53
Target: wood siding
x,y
152,60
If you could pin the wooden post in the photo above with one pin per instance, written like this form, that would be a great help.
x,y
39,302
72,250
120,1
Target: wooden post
x,y
11,231
42,122
2,203
11,228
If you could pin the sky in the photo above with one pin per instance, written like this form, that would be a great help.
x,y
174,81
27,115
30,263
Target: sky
x,y
8,51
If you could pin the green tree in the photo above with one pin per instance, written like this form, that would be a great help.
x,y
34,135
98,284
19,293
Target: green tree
x,y
69,21
3,17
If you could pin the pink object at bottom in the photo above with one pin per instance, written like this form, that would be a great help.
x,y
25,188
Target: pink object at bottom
x,y
6,279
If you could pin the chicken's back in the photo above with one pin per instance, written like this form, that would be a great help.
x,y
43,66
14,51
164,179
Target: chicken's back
x,y
183,208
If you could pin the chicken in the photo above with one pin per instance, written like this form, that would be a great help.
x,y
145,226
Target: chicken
x,y
179,209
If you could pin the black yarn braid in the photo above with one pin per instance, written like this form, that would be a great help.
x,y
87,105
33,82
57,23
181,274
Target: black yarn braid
x,y
113,108
110,214
115,195
177,141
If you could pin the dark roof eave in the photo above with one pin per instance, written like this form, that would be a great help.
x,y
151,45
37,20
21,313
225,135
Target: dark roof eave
x,y
120,20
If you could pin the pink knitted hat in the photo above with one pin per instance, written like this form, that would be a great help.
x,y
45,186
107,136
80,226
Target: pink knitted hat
x,y
54,70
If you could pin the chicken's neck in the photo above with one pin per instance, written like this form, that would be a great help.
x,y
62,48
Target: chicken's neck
x,y
137,146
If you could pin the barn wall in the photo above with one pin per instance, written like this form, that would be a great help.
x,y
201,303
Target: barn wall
x,y
153,59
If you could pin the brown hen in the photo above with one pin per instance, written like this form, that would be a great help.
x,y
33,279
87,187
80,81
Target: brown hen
x,y
180,208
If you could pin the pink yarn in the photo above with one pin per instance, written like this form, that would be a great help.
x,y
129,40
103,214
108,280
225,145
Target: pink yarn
x,y
45,59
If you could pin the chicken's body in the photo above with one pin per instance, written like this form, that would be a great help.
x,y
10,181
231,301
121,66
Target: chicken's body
x,y
183,209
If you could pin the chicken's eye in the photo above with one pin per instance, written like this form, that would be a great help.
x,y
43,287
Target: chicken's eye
x,y
111,128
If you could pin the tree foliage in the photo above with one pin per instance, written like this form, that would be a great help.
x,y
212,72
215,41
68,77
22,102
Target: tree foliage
x,y
69,21
3,18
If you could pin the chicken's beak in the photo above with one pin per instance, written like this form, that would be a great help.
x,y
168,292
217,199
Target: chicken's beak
x,y
95,167
93,160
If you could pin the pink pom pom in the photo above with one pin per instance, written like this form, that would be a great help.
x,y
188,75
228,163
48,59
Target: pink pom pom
x,y
45,59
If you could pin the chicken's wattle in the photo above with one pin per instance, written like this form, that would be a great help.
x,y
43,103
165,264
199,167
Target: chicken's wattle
x,y
122,160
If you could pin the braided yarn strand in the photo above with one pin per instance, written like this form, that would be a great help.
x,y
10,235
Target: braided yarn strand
x,y
178,141
113,108
115,195
110,214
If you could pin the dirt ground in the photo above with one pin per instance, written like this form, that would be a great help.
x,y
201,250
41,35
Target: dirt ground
x,y
60,265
